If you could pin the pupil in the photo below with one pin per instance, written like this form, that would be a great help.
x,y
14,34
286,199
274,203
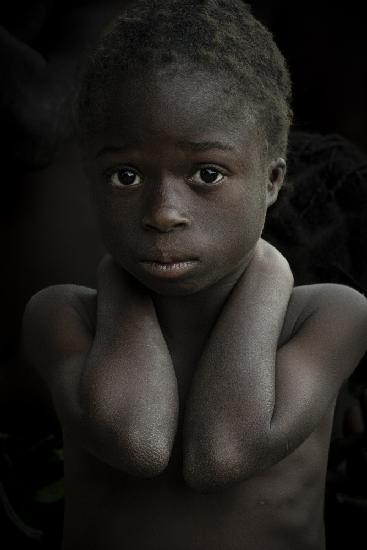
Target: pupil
x,y
208,175
126,177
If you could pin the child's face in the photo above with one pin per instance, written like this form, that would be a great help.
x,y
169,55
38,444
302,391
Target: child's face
x,y
179,176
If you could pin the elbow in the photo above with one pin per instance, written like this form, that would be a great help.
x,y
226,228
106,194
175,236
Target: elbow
x,y
146,455
216,469
226,459
139,446
135,450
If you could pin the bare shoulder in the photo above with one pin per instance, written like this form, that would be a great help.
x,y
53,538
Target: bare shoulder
x,y
330,320
342,302
58,320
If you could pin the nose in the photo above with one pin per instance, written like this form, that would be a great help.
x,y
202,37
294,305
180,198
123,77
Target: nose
x,y
164,213
164,219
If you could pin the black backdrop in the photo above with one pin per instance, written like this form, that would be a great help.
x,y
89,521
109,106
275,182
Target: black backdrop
x,y
48,234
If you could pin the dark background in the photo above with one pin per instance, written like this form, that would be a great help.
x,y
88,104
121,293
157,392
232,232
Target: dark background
x,y
48,234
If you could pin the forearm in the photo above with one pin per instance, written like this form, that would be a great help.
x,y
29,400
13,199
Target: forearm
x,y
128,397
128,389
233,394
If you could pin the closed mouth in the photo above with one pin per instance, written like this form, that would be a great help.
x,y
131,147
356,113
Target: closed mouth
x,y
169,268
168,258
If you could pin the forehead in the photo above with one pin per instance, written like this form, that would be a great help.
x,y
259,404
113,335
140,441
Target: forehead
x,y
194,105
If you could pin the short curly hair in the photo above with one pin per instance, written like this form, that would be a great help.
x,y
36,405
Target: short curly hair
x,y
220,36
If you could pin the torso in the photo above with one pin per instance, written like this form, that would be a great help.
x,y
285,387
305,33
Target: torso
x,y
282,508
279,509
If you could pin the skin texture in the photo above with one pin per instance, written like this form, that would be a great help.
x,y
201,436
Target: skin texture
x,y
163,217
142,365
196,405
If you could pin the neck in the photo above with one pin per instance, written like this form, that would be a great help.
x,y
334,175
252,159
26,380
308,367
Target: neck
x,y
194,315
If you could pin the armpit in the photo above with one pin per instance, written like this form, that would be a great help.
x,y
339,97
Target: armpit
x,y
300,307
86,304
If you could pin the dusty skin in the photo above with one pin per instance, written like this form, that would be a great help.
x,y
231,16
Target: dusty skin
x,y
196,385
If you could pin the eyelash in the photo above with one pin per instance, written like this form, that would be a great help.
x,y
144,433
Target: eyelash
x,y
214,169
111,173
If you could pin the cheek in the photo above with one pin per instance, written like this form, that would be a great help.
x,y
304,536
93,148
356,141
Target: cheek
x,y
239,220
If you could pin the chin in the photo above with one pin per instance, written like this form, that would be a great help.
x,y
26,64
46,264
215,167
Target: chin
x,y
173,288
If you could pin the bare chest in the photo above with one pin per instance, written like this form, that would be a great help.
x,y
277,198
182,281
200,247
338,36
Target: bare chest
x,y
282,508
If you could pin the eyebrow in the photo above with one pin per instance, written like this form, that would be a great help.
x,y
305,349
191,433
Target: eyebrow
x,y
205,145
195,146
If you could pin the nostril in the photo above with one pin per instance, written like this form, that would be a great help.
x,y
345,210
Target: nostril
x,y
165,219
163,227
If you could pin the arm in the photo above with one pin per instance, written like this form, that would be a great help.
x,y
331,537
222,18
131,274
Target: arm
x,y
232,395
114,391
55,342
312,366
128,387
253,404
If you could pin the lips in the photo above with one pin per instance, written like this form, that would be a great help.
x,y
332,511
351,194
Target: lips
x,y
168,258
171,267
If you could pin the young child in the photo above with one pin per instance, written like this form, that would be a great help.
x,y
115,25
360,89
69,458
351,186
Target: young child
x,y
195,387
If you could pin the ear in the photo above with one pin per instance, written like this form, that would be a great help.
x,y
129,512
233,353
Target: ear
x,y
275,179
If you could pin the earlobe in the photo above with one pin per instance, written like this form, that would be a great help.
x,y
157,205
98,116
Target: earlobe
x,y
276,174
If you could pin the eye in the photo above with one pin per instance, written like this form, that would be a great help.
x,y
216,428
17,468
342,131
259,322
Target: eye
x,y
208,175
124,177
